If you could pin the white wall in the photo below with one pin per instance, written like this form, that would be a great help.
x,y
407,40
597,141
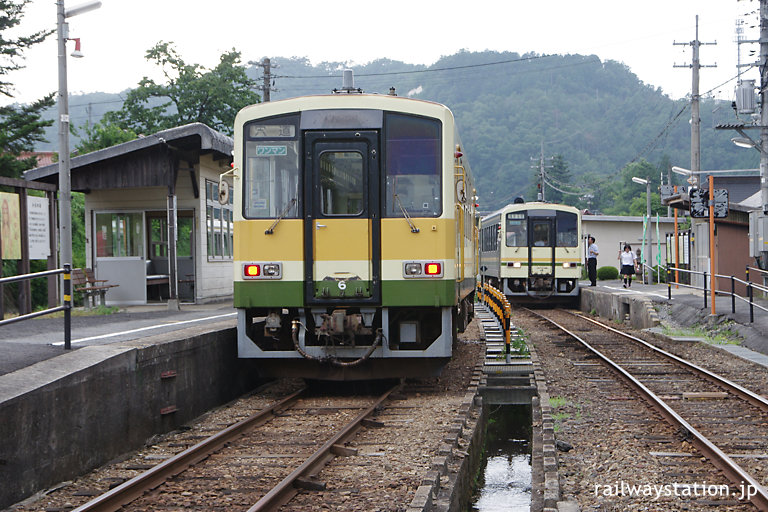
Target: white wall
x,y
611,232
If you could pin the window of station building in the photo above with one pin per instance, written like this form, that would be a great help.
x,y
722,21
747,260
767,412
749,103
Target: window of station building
x,y
219,220
567,229
413,166
119,235
517,230
271,169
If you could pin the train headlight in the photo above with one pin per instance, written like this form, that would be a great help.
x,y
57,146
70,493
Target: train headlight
x,y
422,269
514,264
258,270
412,269
271,269
569,265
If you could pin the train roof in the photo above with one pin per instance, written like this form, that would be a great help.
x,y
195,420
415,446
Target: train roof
x,y
535,205
344,101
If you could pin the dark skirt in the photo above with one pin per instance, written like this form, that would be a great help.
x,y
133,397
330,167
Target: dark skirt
x,y
628,270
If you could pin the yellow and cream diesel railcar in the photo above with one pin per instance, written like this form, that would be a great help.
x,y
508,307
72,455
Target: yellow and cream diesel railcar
x,y
530,251
354,243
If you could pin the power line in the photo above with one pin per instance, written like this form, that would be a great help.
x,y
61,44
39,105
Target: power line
x,y
435,70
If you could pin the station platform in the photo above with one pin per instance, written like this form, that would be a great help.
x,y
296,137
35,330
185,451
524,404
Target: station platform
x,y
686,308
25,343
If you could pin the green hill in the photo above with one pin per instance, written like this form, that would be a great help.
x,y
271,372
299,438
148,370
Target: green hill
x,y
596,114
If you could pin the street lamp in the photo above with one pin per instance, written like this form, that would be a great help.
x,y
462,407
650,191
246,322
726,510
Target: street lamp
x,y
648,245
65,184
65,191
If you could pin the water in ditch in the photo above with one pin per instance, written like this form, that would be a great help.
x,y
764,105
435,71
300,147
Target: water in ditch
x,y
504,482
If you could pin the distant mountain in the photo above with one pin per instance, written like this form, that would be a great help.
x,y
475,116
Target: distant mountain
x,y
597,114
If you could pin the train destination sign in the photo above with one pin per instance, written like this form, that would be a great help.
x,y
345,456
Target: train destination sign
x,y
700,203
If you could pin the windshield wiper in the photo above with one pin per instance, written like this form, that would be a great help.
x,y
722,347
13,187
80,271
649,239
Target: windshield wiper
x,y
280,217
414,229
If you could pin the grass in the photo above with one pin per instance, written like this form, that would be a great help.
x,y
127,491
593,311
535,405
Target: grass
x,y
723,334
560,416
97,311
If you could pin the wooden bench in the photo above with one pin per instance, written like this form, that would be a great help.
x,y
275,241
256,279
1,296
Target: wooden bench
x,y
154,279
85,282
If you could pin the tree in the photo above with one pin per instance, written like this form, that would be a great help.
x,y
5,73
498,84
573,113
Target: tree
x,y
102,135
191,94
20,125
20,128
12,50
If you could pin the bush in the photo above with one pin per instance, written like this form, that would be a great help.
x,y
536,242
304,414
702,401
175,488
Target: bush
x,y
607,273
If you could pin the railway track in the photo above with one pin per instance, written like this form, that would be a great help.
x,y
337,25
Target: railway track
x,y
727,423
272,463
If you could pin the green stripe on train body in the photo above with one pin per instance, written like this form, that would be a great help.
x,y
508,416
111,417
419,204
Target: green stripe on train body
x,y
427,292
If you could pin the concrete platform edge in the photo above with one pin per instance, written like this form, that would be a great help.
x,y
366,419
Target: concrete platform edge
x,y
67,415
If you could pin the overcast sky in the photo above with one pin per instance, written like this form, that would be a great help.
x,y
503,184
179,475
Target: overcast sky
x,y
639,34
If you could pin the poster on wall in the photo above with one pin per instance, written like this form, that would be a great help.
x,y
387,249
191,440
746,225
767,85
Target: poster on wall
x,y
38,228
10,228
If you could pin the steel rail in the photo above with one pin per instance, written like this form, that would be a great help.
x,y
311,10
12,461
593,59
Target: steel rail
x,y
140,484
735,473
753,398
285,490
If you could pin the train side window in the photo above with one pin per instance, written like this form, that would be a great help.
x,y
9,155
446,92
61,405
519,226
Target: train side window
x,y
413,166
517,232
567,229
271,169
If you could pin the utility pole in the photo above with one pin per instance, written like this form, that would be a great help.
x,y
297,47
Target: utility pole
x,y
695,118
266,86
541,167
695,179
764,107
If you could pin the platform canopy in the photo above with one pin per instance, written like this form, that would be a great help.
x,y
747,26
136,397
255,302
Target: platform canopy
x,y
148,161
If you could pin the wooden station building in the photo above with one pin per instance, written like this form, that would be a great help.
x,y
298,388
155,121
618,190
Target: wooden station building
x,y
153,222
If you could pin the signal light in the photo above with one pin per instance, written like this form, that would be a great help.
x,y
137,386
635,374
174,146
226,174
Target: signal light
x,y
252,270
433,269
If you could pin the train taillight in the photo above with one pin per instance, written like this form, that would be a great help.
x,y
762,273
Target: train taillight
x,y
258,270
422,269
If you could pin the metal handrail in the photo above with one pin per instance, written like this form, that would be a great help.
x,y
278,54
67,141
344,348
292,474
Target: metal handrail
x,y
66,307
749,284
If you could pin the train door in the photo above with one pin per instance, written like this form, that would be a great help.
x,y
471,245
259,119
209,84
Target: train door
x,y
342,228
541,257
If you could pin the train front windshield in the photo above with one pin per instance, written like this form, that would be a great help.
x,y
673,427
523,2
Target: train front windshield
x,y
540,227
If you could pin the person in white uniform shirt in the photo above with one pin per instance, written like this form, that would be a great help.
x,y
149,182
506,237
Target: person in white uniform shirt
x,y
628,265
592,252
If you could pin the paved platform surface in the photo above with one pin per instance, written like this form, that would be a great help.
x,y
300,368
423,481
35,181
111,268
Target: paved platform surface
x,y
686,307
25,343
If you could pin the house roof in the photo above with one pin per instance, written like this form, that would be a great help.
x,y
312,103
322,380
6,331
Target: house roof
x,y
146,155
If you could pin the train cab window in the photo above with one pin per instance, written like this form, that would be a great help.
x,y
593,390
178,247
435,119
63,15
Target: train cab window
x,y
567,229
341,183
413,165
271,169
517,232
541,233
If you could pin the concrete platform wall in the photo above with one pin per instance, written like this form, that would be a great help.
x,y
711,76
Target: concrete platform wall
x,y
614,306
72,413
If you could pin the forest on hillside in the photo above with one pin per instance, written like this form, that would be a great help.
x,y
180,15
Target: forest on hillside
x,y
596,118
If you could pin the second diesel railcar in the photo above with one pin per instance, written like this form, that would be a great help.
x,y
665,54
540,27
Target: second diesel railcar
x,y
530,251
354,241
